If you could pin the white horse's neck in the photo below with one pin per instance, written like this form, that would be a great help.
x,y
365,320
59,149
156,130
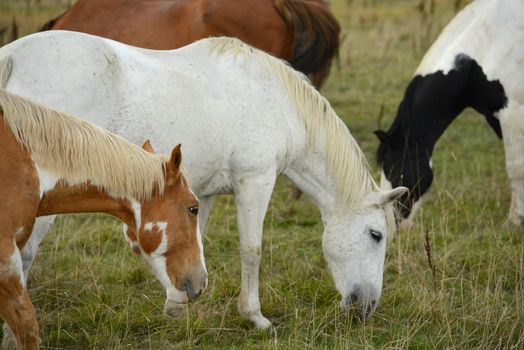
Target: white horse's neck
x,y
309,173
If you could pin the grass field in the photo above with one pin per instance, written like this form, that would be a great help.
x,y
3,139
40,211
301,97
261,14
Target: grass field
x,y
91,292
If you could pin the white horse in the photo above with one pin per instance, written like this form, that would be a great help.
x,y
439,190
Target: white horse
x,y
243,117
478,62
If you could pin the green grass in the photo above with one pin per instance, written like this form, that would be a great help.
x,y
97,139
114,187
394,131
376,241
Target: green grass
x,y
91,292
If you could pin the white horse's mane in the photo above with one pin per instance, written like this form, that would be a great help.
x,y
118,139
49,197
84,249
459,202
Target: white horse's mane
x,y
79,152
345,160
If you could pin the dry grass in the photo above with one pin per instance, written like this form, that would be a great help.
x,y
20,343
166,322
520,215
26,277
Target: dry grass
x,y
90,292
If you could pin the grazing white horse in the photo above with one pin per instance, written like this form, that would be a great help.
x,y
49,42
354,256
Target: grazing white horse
x,y
477,62
243,117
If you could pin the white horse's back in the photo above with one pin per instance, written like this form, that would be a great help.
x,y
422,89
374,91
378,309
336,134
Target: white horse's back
x,y
129,82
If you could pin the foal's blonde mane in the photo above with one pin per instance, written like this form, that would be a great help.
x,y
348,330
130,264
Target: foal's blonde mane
x,y
344,158
78,152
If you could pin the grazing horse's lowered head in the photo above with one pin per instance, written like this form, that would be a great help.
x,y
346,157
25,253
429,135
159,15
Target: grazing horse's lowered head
x,y
405,166
174,249
476,62
354,245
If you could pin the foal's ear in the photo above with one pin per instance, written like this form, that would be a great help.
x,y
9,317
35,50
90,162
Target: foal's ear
x,y
173,166
382,136
147,146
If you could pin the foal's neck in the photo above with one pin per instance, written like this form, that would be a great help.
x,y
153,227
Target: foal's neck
x,y
84,198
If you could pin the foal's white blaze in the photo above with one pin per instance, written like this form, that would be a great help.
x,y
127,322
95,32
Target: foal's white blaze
x,y
157,261
199,241
201,247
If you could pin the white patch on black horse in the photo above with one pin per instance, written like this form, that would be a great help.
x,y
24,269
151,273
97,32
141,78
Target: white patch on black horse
x,y
476,62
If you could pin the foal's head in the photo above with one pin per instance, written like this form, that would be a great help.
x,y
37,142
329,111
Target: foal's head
x,y
168,238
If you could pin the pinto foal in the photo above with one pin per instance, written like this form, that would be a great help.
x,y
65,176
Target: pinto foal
x,y
52,163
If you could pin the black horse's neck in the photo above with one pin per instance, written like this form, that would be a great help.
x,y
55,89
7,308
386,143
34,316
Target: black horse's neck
x,y
433,101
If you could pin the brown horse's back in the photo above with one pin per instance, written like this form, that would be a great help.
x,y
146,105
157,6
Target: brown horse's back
x,y
166,25
303,32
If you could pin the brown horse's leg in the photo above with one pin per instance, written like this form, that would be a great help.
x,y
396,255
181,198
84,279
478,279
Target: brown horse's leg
x,y
15,306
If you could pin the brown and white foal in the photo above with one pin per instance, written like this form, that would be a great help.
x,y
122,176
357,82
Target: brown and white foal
x,y
52,163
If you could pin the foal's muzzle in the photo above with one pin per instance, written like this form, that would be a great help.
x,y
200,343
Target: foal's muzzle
x,y
195,285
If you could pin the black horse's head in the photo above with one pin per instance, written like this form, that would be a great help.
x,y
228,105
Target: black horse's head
x,y
404,165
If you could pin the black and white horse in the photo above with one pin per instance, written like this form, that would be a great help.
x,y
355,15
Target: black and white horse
x,y
477,62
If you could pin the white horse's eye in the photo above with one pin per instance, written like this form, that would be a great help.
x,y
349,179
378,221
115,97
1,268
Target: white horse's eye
x,y
376,235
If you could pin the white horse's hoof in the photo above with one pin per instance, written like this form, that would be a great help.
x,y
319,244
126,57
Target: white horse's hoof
x,y
175,310
261,323
513,222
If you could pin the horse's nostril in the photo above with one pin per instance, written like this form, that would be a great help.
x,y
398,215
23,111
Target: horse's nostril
x,y
353,297
191,292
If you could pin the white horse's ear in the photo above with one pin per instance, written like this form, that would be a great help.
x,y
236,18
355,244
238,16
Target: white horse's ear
x,y
384,197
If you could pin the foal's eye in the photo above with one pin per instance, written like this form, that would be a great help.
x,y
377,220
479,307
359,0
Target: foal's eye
x,y
193,210
376,235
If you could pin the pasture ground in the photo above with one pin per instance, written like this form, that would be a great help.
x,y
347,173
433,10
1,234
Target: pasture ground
x,y
91,292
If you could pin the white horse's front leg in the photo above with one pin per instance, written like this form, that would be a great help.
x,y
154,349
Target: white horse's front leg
x,y
42,226
252,196
512,123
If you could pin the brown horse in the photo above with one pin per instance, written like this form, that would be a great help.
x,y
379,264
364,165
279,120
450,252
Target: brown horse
x,y
52,163
303,32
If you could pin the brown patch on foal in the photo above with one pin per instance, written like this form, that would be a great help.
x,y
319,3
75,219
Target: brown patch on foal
x,y
150,239
19,190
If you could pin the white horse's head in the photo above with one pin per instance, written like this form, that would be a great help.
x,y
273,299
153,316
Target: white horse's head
x,y
355,247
